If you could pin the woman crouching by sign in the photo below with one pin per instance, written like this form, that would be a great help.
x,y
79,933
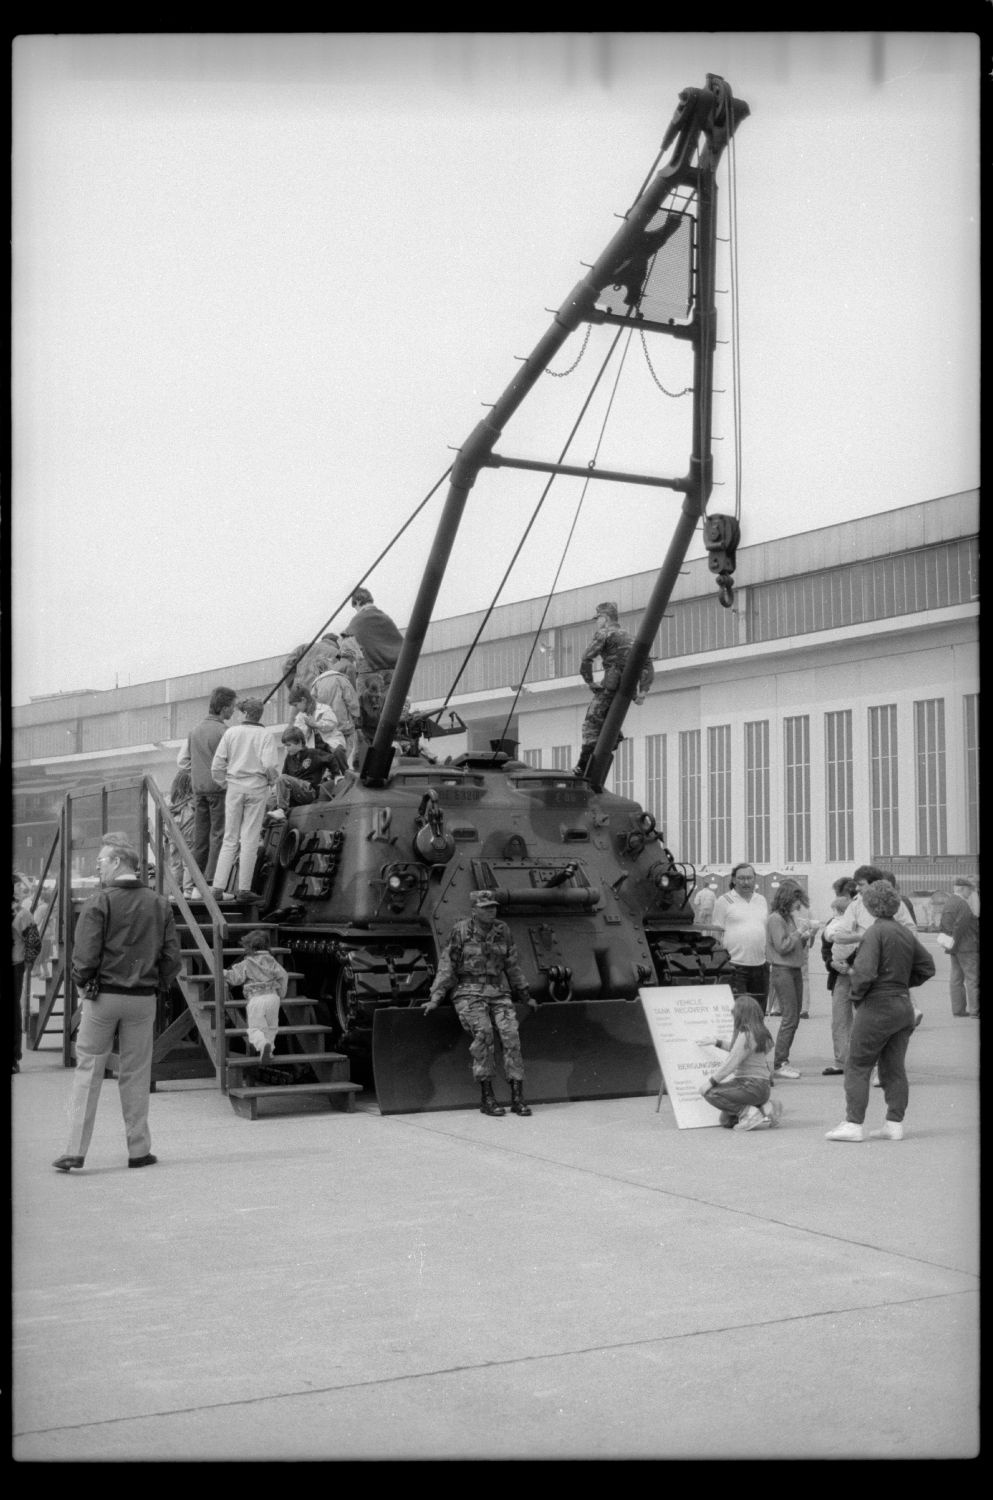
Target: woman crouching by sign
x,y
741,1086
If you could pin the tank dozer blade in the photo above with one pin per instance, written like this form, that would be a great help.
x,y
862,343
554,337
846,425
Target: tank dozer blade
x,y
585,1049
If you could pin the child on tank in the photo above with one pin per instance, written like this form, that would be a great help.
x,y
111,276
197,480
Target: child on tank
x,y
264,982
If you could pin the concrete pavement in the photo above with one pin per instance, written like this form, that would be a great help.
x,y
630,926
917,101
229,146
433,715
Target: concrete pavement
x,y
588,1283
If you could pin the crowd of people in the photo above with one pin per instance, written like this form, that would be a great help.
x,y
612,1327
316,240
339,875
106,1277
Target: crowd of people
x,y
232,774
873,960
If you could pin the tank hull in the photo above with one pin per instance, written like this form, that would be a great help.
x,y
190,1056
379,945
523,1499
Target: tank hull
x,y
592,1049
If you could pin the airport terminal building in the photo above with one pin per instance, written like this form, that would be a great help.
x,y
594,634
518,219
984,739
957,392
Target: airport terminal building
x,y
829,718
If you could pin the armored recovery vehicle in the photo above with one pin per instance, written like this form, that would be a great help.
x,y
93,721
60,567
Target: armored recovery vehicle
x,y
365,886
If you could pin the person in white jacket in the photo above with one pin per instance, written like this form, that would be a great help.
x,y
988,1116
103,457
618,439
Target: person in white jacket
x,y
245,763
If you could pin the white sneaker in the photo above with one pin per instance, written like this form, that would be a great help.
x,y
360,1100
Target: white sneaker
x,y
892,1130
773,1111
277,815
785,1071
753,1119
846,1131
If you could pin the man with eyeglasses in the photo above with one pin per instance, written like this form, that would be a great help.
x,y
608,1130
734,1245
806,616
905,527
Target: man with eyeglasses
x,y
125,953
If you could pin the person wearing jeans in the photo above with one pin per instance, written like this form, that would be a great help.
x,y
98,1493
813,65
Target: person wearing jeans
x,y
245,763
786,948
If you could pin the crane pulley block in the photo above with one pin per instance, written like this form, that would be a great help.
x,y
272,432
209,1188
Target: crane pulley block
x,y
721,535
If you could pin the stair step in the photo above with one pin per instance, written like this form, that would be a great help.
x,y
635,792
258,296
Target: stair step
x,y
209,978
245,1098
285,1059
286,1031
250,1090
207,1006
286,1000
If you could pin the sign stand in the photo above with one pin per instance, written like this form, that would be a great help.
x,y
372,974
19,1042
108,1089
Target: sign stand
x,y
680,1018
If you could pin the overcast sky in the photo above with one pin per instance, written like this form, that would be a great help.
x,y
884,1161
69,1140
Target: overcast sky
x,y
263,283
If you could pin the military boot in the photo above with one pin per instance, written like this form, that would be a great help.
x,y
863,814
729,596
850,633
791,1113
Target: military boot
x,y
489,1106
517,1099
579,769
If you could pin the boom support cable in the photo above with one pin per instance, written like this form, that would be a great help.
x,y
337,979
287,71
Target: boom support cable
x,y
534,516
565,550
735,329
370,569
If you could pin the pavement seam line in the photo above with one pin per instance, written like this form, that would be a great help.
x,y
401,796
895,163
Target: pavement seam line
x,y
745,1213
493,1364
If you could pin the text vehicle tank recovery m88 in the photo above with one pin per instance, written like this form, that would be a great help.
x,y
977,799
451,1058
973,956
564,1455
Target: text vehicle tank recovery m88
x,y
366,884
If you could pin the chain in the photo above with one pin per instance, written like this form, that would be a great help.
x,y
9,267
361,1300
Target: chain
x,y
560,374
648,360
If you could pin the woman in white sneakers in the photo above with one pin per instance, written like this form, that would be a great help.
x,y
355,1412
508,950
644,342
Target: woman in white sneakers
x,y
891,961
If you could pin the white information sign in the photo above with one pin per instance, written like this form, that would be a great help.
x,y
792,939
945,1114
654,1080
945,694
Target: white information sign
x,y
679,1018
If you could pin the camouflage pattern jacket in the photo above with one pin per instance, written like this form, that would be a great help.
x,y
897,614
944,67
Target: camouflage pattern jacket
x,y
612,646
478,963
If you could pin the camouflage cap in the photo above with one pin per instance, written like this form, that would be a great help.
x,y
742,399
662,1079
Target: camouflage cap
x,y
482,898
606,609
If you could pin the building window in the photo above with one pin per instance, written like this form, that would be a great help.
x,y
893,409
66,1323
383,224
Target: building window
x,y
719,779
562,758
929,750
885,833
796,762
839,772
655,777
623,769
971,707
757,791
689,796
533,758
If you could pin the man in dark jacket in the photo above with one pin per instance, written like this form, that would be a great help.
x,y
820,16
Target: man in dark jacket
x,y
125,953
960,927
380,643
196,757
303,771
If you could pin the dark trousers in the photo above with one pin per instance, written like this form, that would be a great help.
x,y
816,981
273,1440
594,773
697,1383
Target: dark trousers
x,y
208,829
734,1095
18,1020
881,1030
787,987
751,979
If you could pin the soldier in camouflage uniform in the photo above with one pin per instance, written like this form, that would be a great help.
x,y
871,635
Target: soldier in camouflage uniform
x,y
478,962
611,644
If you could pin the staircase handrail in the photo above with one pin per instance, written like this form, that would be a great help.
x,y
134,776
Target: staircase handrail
x,y
214,956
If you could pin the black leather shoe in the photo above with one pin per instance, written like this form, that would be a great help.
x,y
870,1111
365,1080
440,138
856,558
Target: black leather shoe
x,y
140,1161
830,1072
66,1163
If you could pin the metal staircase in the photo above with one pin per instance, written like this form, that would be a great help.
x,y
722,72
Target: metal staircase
x,y
201,1026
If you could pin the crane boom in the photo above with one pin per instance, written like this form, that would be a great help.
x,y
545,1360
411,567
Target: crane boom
x,y
702,125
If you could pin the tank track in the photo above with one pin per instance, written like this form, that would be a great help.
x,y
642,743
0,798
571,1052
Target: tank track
x,y
359,978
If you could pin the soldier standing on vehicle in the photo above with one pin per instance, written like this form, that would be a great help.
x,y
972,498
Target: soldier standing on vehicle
x,y
612,645
479,963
